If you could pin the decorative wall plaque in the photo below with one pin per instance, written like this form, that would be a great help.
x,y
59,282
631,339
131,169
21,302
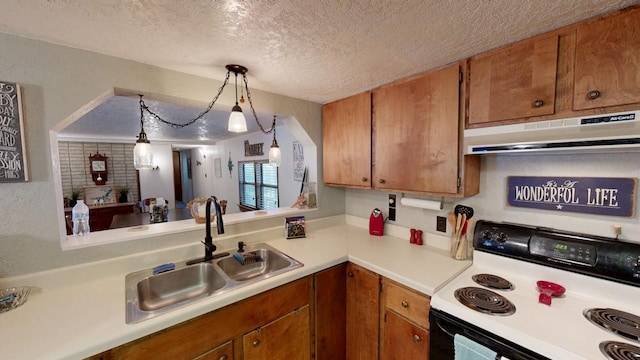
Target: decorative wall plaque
x,y
253,149
13,160
590,195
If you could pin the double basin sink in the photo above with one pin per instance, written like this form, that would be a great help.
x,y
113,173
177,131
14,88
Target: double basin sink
x,y
149,295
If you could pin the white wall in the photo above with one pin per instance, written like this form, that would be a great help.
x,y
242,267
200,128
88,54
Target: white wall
x,y
159,182
491,203
57,81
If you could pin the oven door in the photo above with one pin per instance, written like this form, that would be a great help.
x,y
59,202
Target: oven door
x,y
443,327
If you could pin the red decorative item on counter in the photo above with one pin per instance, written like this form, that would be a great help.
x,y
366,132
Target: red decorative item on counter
x,y
419,237
412,239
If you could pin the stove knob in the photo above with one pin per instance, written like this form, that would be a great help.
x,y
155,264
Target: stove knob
x,y
485,235
501,238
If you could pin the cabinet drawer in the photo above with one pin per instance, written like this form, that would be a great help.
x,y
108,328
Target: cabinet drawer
x,y
222,352
408,303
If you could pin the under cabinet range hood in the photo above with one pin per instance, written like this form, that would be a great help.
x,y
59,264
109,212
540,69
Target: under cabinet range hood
x,y
593,133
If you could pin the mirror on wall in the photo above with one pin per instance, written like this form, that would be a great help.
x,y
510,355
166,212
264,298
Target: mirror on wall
x,y
191,162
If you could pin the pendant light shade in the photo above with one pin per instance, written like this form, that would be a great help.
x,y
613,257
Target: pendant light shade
x,y
142,155
275,156
237,121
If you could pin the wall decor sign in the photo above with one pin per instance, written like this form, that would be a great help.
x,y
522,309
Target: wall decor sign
x,y
99,195
298,161
13,160
253,149
589,195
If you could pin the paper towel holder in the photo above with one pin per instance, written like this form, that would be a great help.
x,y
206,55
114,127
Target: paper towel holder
x,y
421,203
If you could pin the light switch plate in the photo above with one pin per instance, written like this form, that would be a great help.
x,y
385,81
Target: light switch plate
x,y
441,224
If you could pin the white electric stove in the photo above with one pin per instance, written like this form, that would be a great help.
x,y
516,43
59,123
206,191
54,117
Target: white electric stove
x,y
497,304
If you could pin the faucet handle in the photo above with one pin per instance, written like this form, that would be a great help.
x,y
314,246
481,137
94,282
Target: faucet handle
x,y
211,247
241,245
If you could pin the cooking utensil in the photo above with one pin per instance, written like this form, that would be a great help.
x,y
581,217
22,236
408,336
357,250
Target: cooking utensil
x,y
548,290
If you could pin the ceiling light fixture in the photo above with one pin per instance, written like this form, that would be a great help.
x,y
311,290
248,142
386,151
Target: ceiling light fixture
x,y
275,155
142,154
237,121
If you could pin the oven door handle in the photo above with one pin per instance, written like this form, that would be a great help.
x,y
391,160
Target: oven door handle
x,y
443,329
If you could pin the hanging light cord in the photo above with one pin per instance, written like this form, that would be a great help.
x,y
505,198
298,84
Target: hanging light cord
x,y
144,107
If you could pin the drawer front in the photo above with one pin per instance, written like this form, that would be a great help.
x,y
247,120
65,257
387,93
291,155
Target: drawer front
x,y
408,303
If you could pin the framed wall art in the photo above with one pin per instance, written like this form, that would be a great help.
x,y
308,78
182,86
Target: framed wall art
x,y
13,151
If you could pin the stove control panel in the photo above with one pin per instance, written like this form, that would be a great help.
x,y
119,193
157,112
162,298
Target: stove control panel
x,y
587,254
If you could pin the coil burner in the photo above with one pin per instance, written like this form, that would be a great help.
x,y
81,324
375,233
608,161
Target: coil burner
x,y
493,281
615,350
485,301
616,321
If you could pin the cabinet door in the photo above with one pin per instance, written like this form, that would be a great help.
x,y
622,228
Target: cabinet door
x,y
346,139
331,313
403,339
363,299
516,82
607,68
416,126
222,352
285,338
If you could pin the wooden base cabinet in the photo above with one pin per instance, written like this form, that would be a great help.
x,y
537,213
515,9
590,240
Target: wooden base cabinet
x,y
363,299
276,321
286,338
331,313
405,322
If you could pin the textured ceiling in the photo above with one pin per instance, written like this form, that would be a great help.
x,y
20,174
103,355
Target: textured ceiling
x,y
318,50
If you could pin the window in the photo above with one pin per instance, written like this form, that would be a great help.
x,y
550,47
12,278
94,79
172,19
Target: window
x,y
258,185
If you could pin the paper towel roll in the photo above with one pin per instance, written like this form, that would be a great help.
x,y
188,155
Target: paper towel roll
x,y
419,203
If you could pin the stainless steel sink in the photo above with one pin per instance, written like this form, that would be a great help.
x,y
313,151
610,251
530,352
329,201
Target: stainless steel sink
x,y
149,295
270,262
162,290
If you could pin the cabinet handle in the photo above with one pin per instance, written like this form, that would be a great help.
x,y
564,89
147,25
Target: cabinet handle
x,y
364,179
405,304
538,103
416,338
256,343
223,357
381,181
593,94
350,274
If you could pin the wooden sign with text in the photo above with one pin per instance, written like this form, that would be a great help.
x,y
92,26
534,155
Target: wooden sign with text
x,y
598,196
13,162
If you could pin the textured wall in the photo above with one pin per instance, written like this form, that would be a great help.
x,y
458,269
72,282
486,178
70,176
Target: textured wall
x,y
56,81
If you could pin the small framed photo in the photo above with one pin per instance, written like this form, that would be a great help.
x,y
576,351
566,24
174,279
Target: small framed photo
x,y
295,227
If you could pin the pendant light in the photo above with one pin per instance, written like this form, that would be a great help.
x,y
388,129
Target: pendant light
x,y
275,155
142,154
237,121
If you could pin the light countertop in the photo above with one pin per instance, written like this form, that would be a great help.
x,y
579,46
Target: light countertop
x,y
79,311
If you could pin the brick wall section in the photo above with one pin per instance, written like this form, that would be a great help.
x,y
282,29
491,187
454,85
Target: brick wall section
x,y
74,166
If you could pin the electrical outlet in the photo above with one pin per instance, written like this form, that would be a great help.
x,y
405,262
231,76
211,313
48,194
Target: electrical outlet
x,y
392,207
441,224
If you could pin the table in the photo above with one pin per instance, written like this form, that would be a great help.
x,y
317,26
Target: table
x,y
135,219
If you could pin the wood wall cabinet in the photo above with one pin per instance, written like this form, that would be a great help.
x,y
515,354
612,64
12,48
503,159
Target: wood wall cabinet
x,y
403,136
607,62
363,300
415,133
514,82
330,320
278,319
405,325
584,69
346,138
